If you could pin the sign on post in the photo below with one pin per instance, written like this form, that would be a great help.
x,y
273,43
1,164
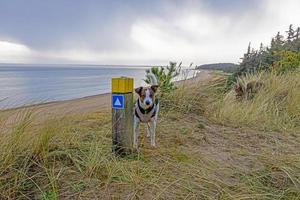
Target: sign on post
x,y
122,115
117,101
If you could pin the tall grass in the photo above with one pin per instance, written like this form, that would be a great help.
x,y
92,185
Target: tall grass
x,y
70,157
35,158
275,106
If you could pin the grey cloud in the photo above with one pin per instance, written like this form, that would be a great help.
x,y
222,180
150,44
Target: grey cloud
x,y
66,23
99,25
102,29
233,7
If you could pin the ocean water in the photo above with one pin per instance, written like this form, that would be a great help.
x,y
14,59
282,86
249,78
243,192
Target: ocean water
x,y
31,84
24,85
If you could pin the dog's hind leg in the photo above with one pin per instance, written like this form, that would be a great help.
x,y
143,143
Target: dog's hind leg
x,y
136,132
152,132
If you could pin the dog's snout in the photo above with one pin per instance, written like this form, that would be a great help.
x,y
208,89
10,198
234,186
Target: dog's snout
x,y
147,102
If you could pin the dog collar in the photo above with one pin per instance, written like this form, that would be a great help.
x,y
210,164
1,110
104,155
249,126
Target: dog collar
x,y
145,111
145,115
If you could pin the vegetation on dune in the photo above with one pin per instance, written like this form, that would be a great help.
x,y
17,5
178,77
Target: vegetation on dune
x,y
264,92
70,157
276,105
288,61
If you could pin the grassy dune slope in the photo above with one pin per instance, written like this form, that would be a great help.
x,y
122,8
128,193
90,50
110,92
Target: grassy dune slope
x,y
276,106
70,157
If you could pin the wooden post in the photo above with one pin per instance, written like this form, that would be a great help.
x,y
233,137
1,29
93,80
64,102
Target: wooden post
x,y
122,115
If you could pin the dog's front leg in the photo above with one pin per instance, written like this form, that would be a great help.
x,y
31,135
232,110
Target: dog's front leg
x,y
136,132
148,130
152,132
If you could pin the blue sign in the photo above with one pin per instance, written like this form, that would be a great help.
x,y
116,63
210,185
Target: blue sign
x,y
117,101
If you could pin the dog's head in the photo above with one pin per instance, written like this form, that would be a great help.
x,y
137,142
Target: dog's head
x,y
146,95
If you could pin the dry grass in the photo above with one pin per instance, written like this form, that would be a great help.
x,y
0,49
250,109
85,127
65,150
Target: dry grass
x,y
70,157
275,107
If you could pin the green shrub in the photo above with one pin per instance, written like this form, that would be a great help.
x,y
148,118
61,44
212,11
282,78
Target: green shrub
x,y
230,81
289,61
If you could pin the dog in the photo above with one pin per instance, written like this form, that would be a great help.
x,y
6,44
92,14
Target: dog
x,y
247,92
146,110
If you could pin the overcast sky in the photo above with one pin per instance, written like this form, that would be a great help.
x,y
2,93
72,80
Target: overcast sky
x,y
140,32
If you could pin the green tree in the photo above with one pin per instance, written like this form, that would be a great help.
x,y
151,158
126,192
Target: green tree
x,y
270,57
265,58
291,33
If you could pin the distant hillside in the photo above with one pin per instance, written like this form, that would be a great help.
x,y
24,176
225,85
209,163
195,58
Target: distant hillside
x,y
226,67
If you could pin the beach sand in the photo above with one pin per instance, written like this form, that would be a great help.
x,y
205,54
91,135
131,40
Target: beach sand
x,y
97,103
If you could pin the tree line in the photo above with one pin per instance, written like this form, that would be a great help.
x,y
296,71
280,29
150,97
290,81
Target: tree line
x,y
282,55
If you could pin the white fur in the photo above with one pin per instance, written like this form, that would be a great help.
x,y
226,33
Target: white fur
x,y
151,126
151,129
147,98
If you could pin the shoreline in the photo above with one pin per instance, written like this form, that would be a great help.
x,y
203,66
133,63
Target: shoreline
x,y
54,102
94,103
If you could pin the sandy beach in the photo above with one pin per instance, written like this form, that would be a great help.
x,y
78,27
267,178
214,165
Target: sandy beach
x,y
97,103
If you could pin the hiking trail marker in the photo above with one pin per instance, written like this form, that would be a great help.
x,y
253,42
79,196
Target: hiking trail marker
x,y
122,115
117,101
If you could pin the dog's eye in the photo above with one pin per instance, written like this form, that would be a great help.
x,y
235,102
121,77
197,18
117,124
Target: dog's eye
x,y
151,95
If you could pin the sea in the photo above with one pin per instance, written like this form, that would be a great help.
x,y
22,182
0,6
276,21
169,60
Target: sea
x,y
22,85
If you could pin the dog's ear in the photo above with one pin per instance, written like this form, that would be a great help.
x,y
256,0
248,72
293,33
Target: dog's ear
x,y
154,88
139,90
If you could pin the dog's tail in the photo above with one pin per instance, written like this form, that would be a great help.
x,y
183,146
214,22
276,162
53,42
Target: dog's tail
x,y
153,79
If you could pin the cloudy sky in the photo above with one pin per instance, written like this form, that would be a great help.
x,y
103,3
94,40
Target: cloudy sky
x,y
139,32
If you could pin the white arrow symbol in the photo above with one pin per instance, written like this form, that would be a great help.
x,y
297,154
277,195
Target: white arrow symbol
x,y
117,102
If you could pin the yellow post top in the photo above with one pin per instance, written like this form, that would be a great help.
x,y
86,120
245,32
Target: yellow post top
x,y
122,85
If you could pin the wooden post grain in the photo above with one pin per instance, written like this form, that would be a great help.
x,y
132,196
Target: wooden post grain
x,y
122,115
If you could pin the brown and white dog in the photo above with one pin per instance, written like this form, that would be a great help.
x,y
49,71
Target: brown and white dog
x,y
146,110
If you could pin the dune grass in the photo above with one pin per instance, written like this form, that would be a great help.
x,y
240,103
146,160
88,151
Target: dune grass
x,y
275,107
70,157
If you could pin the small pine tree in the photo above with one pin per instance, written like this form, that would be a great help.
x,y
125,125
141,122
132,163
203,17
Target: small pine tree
x,y
165,76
